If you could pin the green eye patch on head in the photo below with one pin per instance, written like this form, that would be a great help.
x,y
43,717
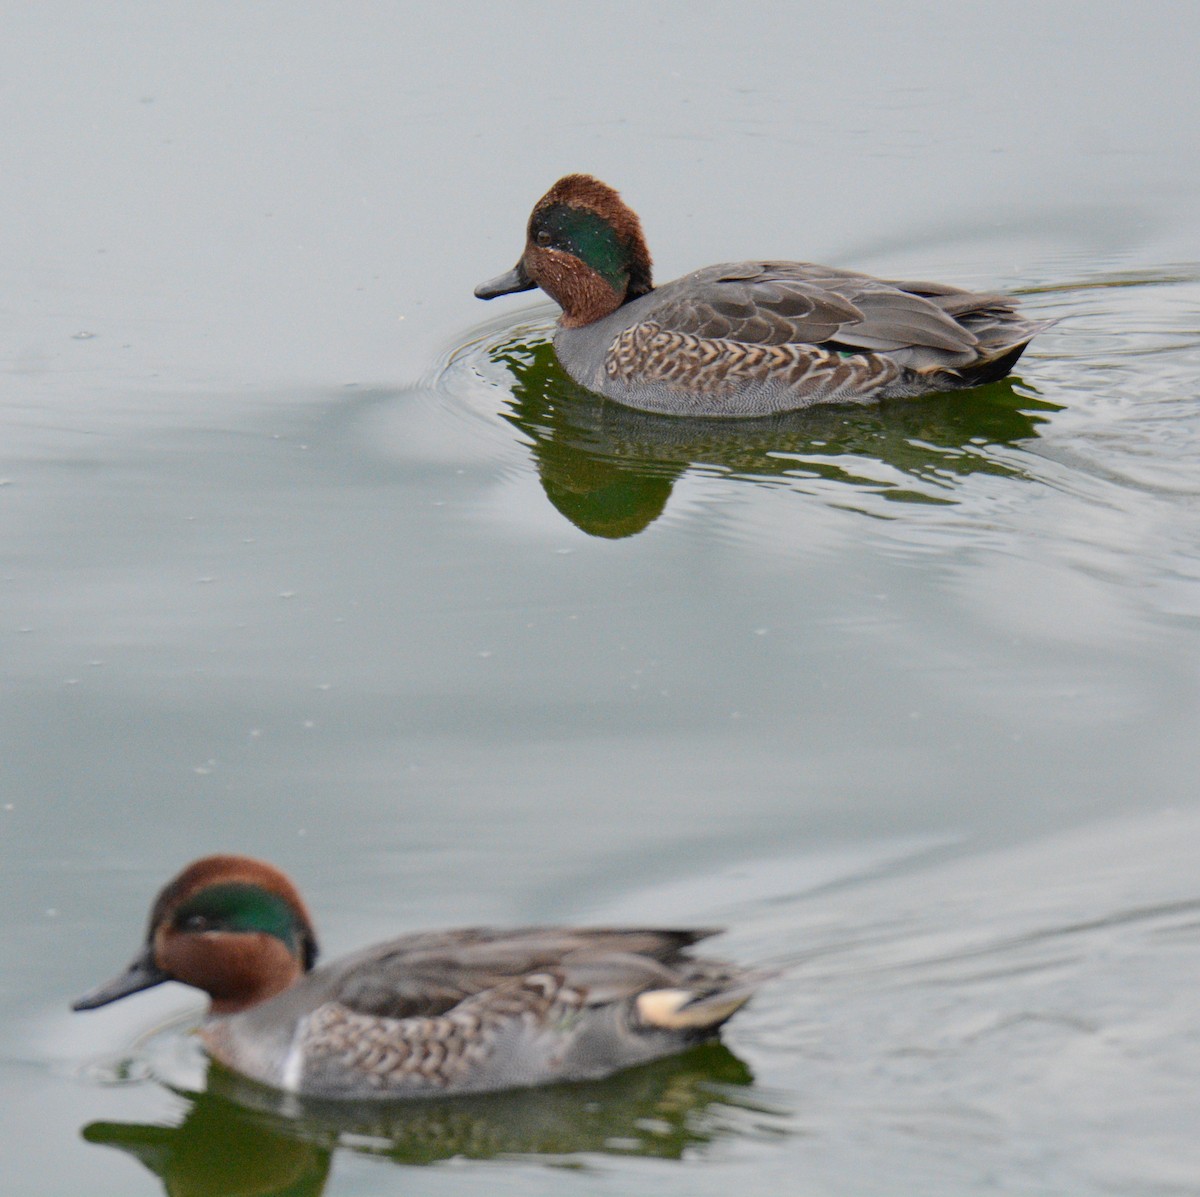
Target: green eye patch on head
x,y
240,907
590,238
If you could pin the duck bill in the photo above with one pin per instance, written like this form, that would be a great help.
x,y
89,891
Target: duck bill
x,y
143,973
517,279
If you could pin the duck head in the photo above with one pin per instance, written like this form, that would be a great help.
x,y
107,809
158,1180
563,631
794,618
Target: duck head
x,y
584,247
230,925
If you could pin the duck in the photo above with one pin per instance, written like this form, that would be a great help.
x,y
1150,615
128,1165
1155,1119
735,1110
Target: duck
x,y
430,1013
745,338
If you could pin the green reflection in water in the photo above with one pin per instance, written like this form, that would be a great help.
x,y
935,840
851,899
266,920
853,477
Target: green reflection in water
x,y
219,1148
238,1139
610,469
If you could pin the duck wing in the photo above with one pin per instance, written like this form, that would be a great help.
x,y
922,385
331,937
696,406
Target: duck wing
x,y
426,975
779,303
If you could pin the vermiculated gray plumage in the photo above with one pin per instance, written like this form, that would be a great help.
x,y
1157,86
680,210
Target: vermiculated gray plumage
x,y
479,1009
750,338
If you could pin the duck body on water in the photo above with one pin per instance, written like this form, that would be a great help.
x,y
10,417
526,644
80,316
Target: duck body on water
x,y
745,338
431,1013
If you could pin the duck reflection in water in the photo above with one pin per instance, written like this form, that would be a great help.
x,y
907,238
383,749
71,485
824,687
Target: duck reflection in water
x,y
610,469
238,1139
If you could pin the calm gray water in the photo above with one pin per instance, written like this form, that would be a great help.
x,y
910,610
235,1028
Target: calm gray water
x,y
306,553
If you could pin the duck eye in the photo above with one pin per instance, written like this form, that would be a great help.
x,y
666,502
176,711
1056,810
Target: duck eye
x,y
543,237
195,922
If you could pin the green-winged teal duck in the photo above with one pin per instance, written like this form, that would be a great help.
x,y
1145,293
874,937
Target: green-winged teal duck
x,y
430,1013
745,338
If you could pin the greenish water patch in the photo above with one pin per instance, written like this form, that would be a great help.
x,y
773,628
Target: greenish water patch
x,y
610,470
236,1137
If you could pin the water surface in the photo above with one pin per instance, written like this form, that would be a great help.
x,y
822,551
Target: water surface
x,y
307,554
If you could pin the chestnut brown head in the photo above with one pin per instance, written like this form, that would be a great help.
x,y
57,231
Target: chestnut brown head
x,y
232,926
584,247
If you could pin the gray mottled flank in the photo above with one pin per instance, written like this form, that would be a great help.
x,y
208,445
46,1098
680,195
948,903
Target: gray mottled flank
x,y
752,338
476,1010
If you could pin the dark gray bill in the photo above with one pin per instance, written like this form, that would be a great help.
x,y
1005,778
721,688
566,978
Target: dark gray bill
x,y
507,284
141,974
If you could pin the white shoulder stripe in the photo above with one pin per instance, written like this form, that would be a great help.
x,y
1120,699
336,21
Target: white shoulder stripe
x,y
293,1065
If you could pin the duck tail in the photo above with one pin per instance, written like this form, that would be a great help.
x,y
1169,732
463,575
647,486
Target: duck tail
x,y
1000,359
694,1011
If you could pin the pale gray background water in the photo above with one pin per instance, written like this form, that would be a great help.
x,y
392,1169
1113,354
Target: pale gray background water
x,y
907,702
